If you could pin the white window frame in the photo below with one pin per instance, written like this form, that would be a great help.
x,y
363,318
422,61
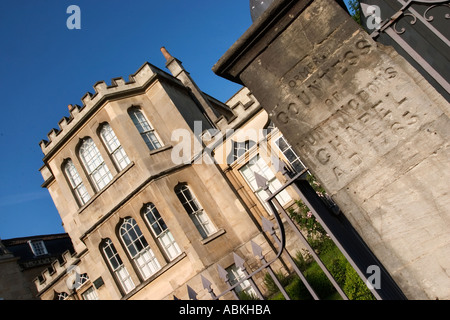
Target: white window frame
x,y
90,294
62,295
161,231
195,211
235,274
294,160
38,247
148,133
258,164
114,147
117,266
76,183
95,165
138,248
241,148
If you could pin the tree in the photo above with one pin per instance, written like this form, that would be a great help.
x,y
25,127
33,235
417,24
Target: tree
x,y
355,10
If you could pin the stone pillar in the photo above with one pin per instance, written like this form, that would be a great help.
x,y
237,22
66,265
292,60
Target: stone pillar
x,y
366,123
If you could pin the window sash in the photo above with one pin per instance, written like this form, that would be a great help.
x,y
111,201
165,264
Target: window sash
x,y
90,294
162,232
145,129
117,266
258,165
195,212
125,279
38,248
147,262
138,248
293,159
95,165
203,224
114,147
76,183
235,274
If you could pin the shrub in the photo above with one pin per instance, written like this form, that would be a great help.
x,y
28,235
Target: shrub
x,y
354,287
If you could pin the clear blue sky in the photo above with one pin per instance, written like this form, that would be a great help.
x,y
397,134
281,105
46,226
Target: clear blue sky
x,y
45,66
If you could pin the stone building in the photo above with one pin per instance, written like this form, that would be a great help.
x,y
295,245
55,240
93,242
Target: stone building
x,y
23,259
147,210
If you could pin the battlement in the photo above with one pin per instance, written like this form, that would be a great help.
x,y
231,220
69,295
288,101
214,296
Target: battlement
x,y
55,270
242,104
91,101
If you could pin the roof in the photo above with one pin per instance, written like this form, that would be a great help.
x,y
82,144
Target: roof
x,y
55,244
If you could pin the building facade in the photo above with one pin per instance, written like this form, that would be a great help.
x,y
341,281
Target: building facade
x,y
149,212
23,259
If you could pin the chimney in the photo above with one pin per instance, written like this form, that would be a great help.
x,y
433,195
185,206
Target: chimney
x,y
176,68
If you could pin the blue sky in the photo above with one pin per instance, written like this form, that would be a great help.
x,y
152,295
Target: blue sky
x,y
45,67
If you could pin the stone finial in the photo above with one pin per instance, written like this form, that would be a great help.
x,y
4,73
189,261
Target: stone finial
x,y
166,54
257,8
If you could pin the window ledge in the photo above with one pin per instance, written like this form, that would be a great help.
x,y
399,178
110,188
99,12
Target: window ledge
x,y
153,152
213,236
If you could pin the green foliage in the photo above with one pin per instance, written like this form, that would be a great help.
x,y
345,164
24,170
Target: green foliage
x,y
243,295
355,10
270,283
354,287
339,267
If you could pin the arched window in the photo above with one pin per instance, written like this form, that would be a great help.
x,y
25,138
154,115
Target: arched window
x,y
138,248
195,211
161,232
114,147
117,266
60,296
145,129
76,183
94,164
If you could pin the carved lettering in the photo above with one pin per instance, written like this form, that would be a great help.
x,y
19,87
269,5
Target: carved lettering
x,y
323,156
337,173
371,115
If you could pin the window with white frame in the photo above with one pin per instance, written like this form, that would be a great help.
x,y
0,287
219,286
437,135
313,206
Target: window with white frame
x,y
61,296
76,183
114,147
117,266
38,247
293,159
259,165
94,164
161,232
235,274
90,294
239,149
145,129
138,248
80,280
195,211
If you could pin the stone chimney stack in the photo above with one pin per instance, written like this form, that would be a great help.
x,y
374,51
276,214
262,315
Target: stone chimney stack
x,y
178,71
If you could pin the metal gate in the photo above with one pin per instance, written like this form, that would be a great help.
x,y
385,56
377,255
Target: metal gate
x,y
418,30
338,228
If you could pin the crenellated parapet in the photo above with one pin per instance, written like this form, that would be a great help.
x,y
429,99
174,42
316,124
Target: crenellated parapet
x,y
55,270
243,105
91,101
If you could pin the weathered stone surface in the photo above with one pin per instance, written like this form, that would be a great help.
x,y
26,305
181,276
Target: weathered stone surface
x,y
371,129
